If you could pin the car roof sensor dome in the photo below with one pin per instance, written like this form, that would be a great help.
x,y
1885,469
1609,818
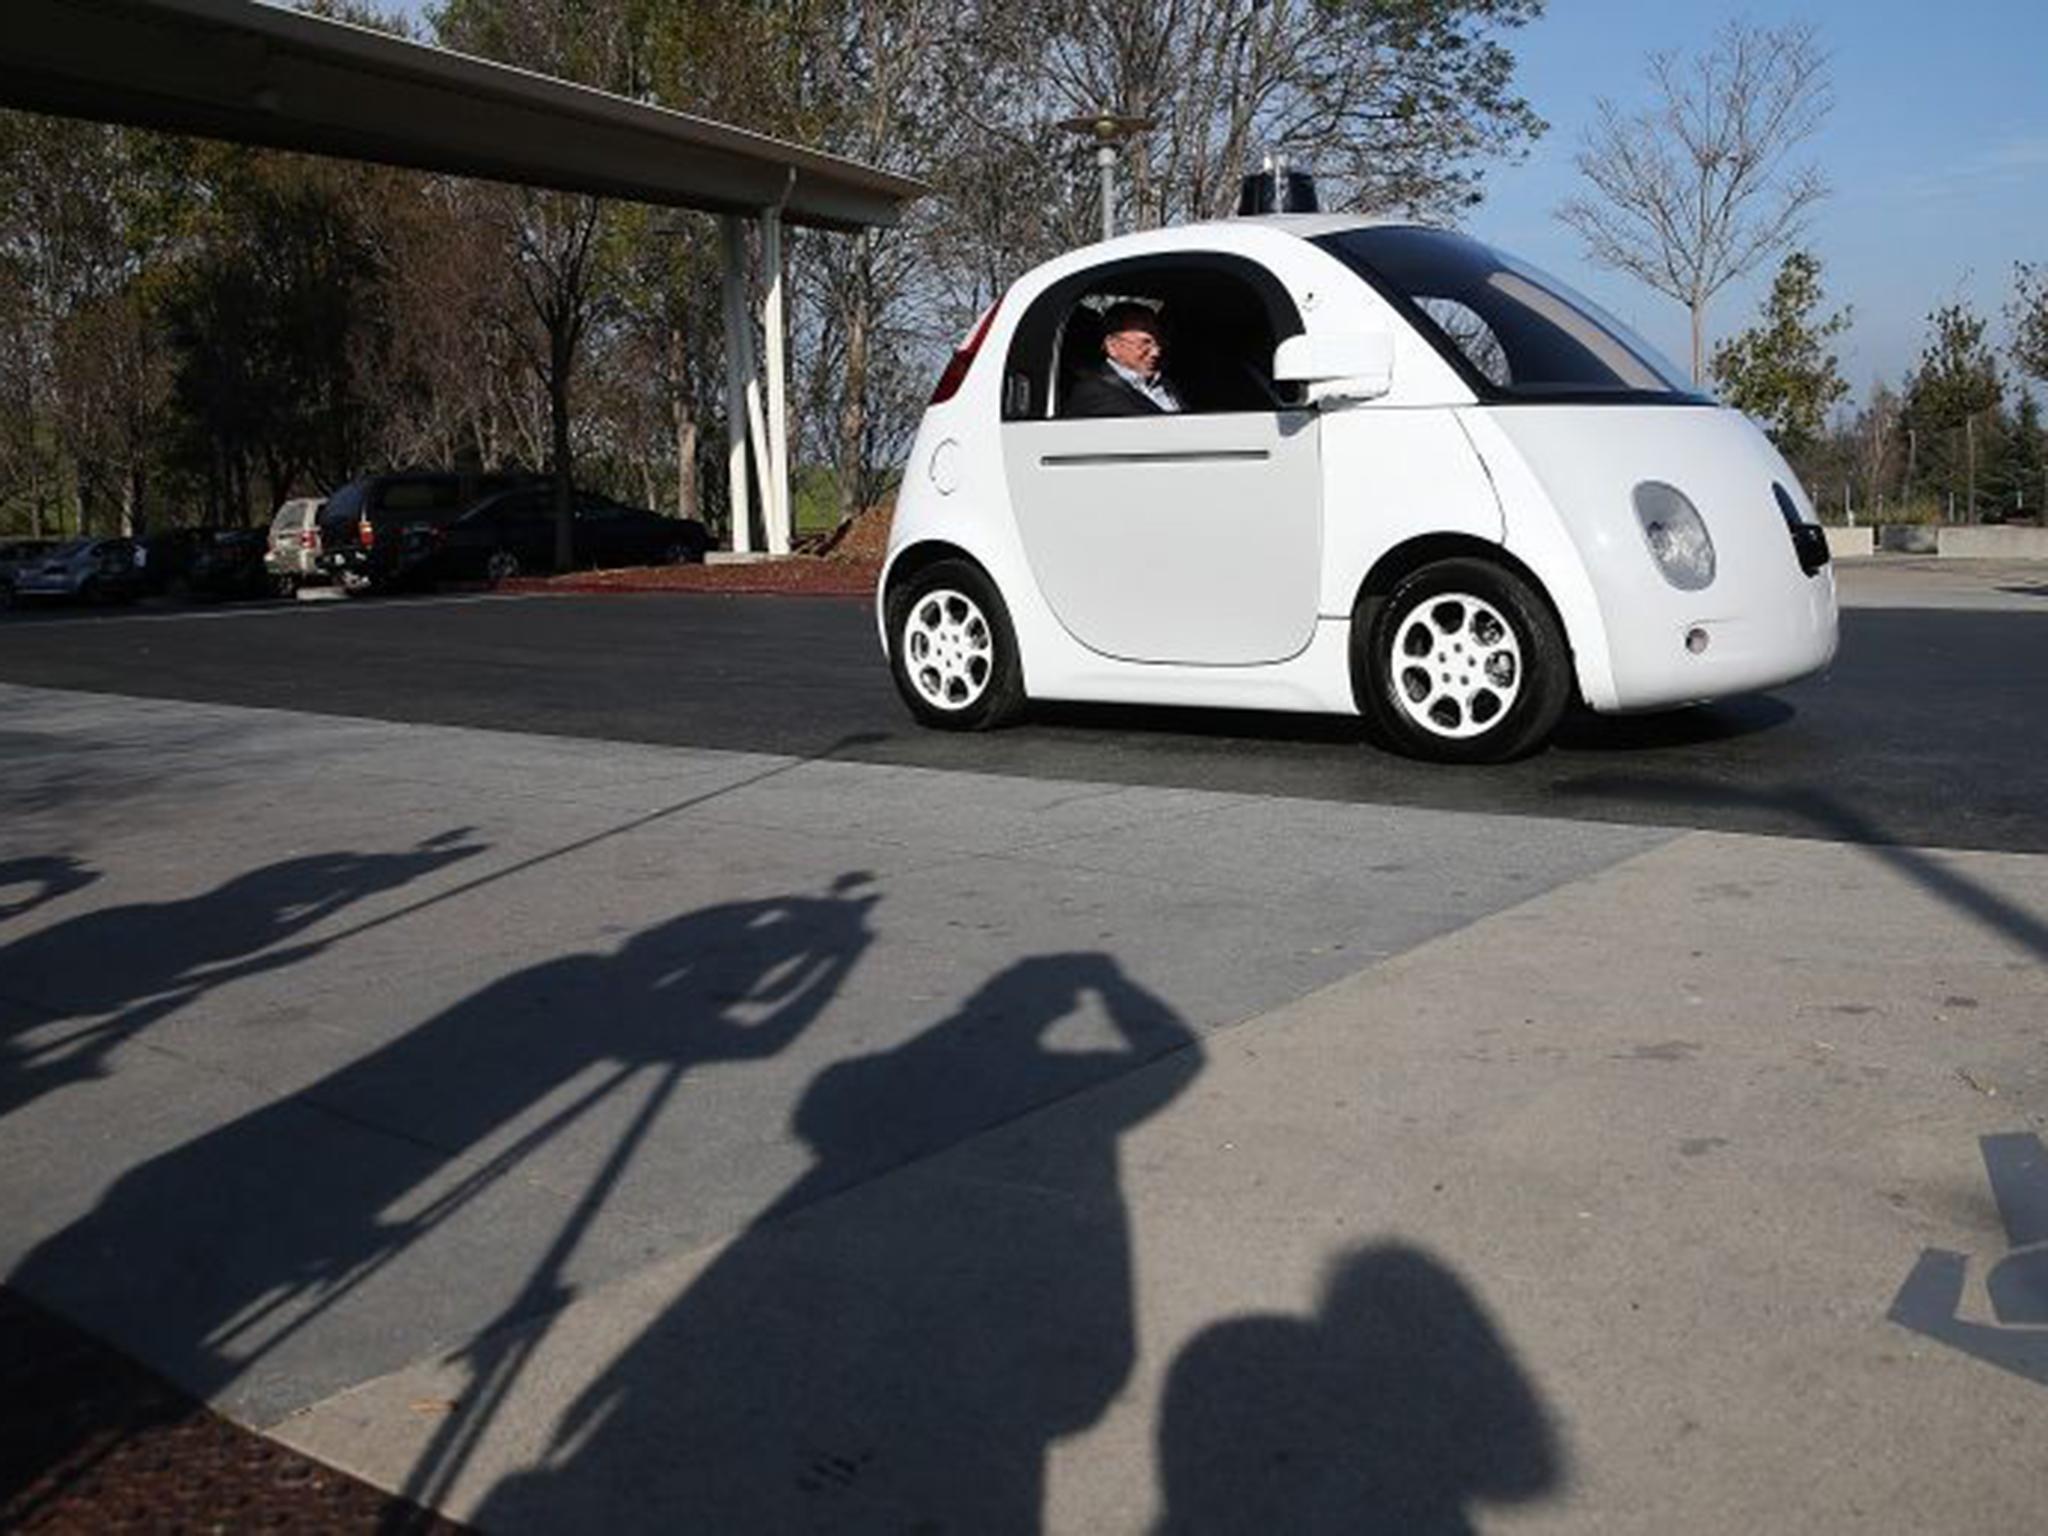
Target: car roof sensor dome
x,y
1276,187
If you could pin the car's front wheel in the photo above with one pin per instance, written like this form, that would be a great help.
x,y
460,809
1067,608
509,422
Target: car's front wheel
x,y
501,566
1461,662
951,649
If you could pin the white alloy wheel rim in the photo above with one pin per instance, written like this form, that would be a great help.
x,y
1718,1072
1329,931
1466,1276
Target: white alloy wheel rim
x,y
1455,666
949,652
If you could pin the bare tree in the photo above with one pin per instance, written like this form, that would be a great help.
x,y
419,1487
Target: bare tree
x,y
114,382
1876,444
1692,191
553,238
67,194
1395,105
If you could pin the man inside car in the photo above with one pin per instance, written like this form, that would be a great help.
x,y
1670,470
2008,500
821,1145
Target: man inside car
x,y
1129,381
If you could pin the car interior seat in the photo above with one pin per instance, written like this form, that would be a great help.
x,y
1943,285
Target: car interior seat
x,y
1080,349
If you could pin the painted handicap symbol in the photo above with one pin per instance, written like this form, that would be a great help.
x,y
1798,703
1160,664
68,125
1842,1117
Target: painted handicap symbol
x,y
1930,1301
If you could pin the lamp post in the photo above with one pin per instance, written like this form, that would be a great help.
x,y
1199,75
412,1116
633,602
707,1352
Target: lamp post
x,y
1107,129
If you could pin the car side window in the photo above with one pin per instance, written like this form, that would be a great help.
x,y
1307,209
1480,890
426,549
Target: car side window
x,y
1220,317
437,494
521,509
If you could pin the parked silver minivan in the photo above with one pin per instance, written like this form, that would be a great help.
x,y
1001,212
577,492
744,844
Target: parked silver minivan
x,y
293,558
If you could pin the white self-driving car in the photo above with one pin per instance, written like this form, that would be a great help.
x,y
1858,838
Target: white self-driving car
x,y
1413,479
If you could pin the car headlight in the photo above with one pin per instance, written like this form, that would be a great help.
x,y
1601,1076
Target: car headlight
x,y
1677,535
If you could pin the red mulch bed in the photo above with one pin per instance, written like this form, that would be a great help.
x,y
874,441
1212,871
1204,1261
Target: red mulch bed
x,y
91,1444
846,564
801,575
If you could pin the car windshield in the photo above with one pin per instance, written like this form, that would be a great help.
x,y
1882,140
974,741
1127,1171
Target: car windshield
x,y
72,547
1513,331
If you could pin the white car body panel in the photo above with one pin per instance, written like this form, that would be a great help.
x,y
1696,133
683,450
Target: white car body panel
x,y
1204,591
1396,474
1102,505
1765,619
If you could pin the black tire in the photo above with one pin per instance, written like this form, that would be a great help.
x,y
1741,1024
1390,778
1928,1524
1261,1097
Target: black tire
x,y
500,566
976,659
1408,647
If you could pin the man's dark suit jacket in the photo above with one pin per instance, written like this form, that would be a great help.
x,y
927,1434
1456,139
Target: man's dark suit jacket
x,y
1100,392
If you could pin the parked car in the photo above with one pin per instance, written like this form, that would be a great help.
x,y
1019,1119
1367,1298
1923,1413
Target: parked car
x,y
381,531
231,564
16,553
1412,478
163,556
513,532
83,570
292,556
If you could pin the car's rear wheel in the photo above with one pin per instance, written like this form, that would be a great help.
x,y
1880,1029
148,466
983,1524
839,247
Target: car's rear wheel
x,y
952,650
1461,662
501,566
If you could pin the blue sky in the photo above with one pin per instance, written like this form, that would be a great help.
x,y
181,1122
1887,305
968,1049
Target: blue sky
x,y
1937,150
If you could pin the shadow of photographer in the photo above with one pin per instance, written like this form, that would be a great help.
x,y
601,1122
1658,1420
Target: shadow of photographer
x,y
1394,1408
26,883
210,1257
898,1358
125,967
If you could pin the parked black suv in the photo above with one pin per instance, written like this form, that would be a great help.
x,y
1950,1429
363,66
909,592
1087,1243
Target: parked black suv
x,y
382,531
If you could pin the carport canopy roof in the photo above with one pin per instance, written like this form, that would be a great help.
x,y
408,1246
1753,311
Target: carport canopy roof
x,y
258,74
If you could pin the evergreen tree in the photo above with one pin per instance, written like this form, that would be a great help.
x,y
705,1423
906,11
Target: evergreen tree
x,y
2019,479
1780,370
2028,313
1948,399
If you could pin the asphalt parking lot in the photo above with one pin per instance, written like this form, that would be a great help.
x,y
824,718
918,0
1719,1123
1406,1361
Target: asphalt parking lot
x,y
1922,733
589,1062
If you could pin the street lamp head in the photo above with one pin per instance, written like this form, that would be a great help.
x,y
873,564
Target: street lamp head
x,y
1108,127
1107,130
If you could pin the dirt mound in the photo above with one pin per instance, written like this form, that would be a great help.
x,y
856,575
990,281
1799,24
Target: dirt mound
x,y
864,539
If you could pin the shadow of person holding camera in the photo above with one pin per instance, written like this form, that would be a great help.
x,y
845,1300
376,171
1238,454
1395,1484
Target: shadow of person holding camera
x,y
1394,1408
898,1355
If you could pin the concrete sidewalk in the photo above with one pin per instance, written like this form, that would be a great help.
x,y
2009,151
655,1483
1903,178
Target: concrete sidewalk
x,y
1909,581
1596,1209
574,1135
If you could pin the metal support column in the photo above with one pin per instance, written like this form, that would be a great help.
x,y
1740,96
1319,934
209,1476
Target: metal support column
x,y
739,371
1105,166
775,472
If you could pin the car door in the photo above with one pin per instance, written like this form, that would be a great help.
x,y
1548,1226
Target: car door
x,y
114,563
1193,537
597,533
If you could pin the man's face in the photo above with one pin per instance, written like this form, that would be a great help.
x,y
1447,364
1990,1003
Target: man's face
x,y
1135,345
